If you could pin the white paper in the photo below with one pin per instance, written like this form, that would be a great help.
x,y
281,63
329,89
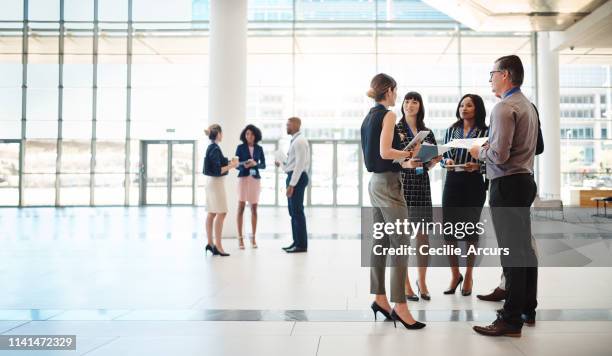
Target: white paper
x,y
441,149
466,143
420,136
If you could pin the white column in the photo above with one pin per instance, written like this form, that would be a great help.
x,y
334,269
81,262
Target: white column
x,y
227,87
549,186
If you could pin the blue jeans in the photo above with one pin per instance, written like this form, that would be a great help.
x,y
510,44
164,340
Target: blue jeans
x,y
296,211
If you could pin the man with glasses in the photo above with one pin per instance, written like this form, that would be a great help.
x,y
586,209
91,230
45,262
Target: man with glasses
x,y
509,157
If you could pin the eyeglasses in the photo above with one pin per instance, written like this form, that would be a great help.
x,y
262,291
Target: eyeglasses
x,y
494,71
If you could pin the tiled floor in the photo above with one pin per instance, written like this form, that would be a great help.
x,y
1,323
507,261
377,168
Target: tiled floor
x,y
136,282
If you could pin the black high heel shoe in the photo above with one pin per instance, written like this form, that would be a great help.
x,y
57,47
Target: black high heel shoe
x,y
466,293
452,290
417,324
412,298
209,248
219,253
377,308
425,296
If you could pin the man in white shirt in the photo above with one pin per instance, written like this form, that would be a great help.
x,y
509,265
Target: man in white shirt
x,y
296,166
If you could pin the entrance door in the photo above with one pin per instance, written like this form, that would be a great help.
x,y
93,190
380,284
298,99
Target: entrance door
x,y
167,174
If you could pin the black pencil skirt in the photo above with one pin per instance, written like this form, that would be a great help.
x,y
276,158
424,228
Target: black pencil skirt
x,y
463,197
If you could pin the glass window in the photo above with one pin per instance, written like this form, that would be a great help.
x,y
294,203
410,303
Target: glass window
x,y
43,10
10,104
12,10
40,156
110,157
113,10
78,72
42,104
78,10
162,10
74,189
77,104
76,156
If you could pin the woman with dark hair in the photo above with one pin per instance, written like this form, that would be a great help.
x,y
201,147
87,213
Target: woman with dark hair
x,y
465,188
251,157
380,146
415,182
216,167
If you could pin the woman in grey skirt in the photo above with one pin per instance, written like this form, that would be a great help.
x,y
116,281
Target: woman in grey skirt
x,y
380,144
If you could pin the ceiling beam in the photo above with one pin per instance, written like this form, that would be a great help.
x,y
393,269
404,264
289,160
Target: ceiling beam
x,y
592,31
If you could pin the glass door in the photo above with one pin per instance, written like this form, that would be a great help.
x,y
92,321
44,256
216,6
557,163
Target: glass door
x,y
167,174
9,172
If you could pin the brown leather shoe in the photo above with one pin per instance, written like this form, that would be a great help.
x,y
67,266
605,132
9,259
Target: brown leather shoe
x,y
496,296
498,328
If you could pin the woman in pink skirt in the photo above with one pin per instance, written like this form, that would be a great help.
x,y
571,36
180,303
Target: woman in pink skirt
x,y
251,157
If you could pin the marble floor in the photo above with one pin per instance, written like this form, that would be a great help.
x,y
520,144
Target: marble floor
x,y
135,281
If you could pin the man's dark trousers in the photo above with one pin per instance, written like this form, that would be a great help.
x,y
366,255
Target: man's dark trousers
x,y
510,200
296,210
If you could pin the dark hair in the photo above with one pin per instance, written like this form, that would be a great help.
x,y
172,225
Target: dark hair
x,y
480,113
213,131
254,129
420,119
514,66
380,85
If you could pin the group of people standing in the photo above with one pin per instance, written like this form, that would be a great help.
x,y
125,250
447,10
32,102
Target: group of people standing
x,y
248,160
401,191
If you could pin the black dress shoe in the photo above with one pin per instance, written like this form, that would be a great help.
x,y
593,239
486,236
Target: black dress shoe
x,y
412,298
496,296
499,328
289,247
209,248
295,249
528,319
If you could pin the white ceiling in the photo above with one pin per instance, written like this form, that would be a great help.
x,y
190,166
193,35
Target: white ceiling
x,y
517,15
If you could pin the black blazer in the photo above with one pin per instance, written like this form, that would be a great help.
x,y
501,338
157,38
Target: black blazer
x,y
540,143
214,160
243,153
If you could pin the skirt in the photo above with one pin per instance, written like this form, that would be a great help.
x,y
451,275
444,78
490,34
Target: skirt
x,y
463,198
249,189
216,201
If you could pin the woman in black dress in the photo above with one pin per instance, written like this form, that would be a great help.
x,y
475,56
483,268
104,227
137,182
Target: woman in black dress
x,y
415,182
465,189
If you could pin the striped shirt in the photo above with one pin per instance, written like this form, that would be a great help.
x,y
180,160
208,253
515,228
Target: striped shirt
x,y
460,155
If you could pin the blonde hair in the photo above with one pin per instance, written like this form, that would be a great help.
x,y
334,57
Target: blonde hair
x,y
213,131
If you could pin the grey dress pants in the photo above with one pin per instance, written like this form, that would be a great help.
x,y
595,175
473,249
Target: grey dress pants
x,y
388,204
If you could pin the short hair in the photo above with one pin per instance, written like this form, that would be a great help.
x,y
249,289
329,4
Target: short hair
x,y
514,66
213,131
296,120
254,129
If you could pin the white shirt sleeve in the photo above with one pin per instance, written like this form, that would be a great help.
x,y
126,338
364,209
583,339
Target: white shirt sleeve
x,y
301,161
